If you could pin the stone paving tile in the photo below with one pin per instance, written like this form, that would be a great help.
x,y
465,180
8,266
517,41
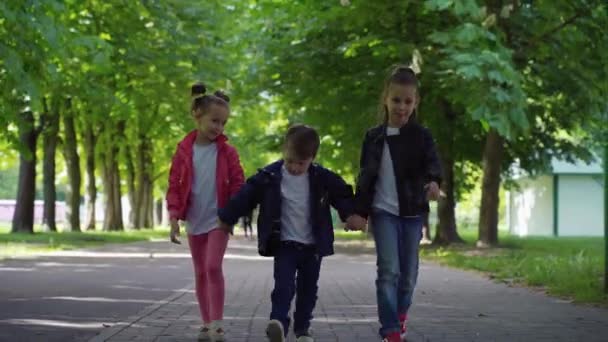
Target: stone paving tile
x,y
449,305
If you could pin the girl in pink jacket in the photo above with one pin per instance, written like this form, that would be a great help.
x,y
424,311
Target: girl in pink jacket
x,y
205,172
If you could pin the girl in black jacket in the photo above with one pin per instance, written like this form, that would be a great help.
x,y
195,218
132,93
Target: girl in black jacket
x,y
399,174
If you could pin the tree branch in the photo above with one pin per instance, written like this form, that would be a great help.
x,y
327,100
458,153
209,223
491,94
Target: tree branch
x,y
569,21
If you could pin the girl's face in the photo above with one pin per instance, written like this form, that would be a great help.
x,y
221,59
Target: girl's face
x,y
211,122
400,102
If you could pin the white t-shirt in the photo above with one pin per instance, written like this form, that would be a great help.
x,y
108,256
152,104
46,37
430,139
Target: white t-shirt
x,y
202,214
386,197
295,208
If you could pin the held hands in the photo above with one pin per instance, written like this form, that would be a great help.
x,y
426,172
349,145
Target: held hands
x,y
174,233
433,192
225,227
356,222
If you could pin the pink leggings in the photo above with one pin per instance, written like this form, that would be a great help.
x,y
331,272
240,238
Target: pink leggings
x,y
207,252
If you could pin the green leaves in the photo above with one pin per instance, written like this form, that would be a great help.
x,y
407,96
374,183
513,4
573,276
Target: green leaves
x,y
460,8
528,70
476,71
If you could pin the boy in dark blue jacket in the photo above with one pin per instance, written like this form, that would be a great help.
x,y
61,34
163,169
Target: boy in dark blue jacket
x,y
294,225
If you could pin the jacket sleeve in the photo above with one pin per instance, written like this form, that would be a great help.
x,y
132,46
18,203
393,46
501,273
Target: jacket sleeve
x,y
174,205
244,201
340,195
363,188
235,171
432,167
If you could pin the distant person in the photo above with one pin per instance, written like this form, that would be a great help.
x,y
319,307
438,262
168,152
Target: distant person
x,y
248,224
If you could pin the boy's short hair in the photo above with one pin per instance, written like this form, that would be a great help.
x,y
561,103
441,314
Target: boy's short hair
x,y
303,141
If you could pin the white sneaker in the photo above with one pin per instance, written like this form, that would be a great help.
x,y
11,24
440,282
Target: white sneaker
x,y
216,332
274,331
305,338
403,325
203,334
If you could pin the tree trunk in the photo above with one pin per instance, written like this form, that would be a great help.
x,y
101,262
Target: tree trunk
x,y
149,222
72,161
143,211
145,200
23,217
113,206
446,228
50,119
488,213
117,194
134,219
108,216
89,149
159,212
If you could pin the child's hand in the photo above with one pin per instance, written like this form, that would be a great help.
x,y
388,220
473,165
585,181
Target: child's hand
x,y
356,222
224,226
174,233
433,192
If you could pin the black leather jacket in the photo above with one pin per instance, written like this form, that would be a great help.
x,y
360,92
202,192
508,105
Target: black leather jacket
x,y
415,163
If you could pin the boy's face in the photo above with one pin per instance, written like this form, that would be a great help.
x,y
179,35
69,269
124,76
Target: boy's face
x,y
295,165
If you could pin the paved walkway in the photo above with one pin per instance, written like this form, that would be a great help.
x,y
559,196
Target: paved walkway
x,y
450,305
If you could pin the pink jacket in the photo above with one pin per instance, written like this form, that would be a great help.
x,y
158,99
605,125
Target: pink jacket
x,y
229,175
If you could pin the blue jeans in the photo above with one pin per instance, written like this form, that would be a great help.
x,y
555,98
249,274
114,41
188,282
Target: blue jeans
x,y
397,241
292,258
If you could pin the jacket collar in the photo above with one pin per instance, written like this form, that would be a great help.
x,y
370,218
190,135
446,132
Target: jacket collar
x,y
274,169
190,138
378,133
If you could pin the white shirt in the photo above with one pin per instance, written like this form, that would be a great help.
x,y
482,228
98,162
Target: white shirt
x,y
201,217
295,208
386,197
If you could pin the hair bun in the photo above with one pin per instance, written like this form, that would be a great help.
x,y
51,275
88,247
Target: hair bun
x,y
405,68
222,95
198,89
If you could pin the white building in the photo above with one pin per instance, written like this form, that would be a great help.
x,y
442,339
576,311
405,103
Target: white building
x,y
569,201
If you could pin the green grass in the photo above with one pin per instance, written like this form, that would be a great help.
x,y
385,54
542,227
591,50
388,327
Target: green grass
x,y
570,268
22,244
340,234
566,267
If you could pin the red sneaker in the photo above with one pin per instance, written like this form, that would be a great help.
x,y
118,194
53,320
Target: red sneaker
x,y
403,324
392,337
